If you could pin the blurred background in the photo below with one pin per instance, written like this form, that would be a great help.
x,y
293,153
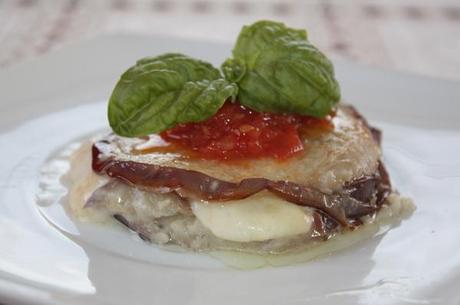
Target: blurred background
x,y
416,36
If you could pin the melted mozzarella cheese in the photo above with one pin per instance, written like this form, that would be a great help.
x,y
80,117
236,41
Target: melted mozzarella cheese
x,y
259,217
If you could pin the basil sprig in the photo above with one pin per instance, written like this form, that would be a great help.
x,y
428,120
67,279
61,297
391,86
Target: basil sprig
x,y
273,69
278,70
160,92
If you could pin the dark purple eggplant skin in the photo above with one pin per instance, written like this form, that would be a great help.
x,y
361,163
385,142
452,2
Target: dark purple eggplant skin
x,y
362,196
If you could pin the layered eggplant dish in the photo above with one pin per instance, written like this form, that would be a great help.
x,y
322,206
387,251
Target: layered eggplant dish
x,y
259,156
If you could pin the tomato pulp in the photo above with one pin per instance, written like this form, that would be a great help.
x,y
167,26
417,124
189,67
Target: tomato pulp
x,y
237,132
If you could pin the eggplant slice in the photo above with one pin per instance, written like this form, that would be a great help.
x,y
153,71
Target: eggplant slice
x,y
339,179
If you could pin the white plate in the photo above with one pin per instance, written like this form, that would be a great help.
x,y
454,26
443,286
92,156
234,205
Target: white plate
x,y
59,98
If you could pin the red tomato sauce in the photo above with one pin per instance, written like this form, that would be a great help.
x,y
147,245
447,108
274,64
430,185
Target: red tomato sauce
x,y
237,132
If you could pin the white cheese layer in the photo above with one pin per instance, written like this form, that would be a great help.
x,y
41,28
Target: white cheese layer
x,y
259,217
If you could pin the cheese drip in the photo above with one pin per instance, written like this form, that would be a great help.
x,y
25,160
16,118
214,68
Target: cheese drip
x,y
260,217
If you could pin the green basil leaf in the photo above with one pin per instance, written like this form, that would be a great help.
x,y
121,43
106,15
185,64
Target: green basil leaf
x,y
160,92
278,70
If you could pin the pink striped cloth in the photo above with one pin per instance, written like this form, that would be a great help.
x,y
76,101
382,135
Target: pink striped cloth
x,y
416,36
